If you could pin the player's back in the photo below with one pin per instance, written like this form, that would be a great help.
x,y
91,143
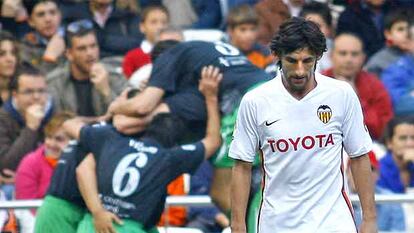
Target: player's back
x,y
63,184
181,66
133,173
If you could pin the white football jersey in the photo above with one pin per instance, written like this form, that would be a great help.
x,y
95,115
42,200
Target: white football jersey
x,y
301,142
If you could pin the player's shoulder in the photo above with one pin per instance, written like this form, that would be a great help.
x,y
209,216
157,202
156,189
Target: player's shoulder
x,y
262,89
101,127
333,85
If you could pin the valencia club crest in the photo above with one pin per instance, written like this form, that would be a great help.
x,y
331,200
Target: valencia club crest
x,y
324,113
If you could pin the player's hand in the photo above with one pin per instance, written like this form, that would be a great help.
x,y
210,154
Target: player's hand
x,y
222,220
100,79
34,115
210,80
368,226
103,220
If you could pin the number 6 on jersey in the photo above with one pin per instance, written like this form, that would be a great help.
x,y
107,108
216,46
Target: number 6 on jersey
x,y
126,167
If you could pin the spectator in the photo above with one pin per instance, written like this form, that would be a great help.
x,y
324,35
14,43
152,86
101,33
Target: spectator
x,y
43,48
35,171
399,81
84,85
397,168
207,219
22,119
397,35
9,60
366,19
242,23
347,60
272,13
320,14
390,216
153,20
117,30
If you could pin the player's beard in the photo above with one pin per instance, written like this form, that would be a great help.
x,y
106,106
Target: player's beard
x,y
299,84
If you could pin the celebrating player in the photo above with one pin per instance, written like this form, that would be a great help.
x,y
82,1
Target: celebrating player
x,y
300,121
132,173
173,87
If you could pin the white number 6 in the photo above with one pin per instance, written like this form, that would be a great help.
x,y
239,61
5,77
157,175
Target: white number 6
x,y
125,168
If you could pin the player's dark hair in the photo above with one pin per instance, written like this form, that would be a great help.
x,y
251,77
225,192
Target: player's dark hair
x,y
393,123
24,69
161,47
317,8
167,129
298,33
395,16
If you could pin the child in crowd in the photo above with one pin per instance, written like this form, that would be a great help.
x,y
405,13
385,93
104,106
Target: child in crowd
x,y
242,24
153,20
396,31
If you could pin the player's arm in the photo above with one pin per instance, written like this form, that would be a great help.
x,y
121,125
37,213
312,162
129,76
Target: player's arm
x,y
140,105
88,187
73,127
364,185
209,85
132,125
240,188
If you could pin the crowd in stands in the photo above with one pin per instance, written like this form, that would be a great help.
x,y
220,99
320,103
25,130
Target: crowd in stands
x,y
61,59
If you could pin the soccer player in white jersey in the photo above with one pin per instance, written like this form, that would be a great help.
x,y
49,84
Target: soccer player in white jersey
x,y
299,122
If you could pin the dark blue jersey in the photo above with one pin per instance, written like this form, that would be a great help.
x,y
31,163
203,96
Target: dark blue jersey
x,y
178,71
133,174
63,184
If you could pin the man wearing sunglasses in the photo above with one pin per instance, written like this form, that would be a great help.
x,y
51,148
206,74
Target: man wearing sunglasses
x,y
22,118
84,85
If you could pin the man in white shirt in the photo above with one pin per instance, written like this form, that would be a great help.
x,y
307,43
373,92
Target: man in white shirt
x,y
300,122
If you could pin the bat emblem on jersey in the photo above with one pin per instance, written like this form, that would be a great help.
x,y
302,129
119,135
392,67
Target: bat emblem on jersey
x,y
270,123
324,113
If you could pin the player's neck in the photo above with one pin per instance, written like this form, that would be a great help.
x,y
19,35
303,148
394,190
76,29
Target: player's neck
x,y
299,94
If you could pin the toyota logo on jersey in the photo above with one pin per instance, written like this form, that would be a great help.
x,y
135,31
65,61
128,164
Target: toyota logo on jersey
x,y
307,143
324,113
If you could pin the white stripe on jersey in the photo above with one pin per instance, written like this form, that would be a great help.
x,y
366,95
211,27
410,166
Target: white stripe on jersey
x,y
302,143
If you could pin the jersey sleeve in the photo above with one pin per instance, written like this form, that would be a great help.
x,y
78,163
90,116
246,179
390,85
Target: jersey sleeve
x,y
186,158
93,137
245,141
165,71
357,140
